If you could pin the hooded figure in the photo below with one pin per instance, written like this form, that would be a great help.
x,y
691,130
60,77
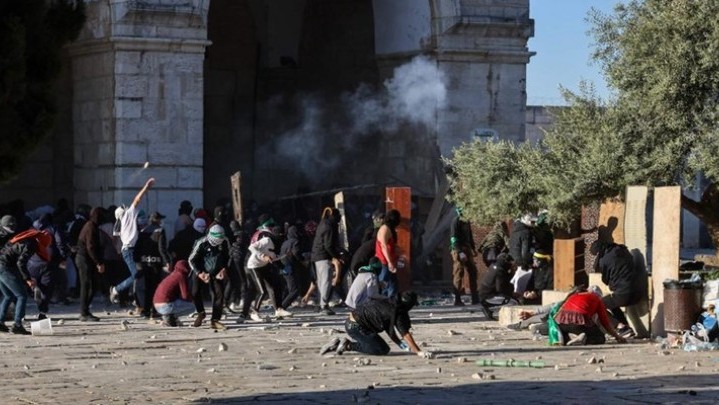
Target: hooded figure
x,y
173,294
209,261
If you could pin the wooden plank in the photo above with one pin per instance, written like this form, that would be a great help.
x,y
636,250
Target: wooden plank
x,y
235,183
342,227
611,221
635,226
400,199
665,248
564,264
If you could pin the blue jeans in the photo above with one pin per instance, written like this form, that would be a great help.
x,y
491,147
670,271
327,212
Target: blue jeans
x,y
390,279
13,289
365,341
127,255
177,307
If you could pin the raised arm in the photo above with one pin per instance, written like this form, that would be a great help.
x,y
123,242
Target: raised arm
x,y
142,191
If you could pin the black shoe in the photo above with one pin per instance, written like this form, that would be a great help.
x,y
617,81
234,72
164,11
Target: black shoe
x,y
327,311
41,316
19,330
458,303
198,320
89,318
169,320
515,326
4,328
487,312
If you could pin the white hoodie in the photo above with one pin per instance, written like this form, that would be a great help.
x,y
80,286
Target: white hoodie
x,y
263,246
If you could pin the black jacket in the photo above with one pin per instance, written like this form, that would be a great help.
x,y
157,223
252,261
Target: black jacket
x,y
618,271
181,245
461,234
326,243
16,256
497,281
520,242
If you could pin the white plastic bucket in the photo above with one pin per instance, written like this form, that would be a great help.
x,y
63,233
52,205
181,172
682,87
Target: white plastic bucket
x,y
43,327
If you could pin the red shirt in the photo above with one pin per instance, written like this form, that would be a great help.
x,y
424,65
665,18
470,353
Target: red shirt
x,y
587,304
391,243
172,287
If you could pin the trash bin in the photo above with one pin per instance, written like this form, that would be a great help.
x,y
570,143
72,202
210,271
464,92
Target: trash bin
x,y
682,304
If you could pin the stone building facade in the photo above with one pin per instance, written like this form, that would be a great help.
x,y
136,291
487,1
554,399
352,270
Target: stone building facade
x,y
203,88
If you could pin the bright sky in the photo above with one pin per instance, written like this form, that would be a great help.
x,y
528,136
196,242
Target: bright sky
x,y
562,48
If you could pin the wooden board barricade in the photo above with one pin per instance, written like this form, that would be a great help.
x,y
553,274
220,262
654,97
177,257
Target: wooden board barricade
x,y
564,263
342,226
400,199
665,248
236,182
611,221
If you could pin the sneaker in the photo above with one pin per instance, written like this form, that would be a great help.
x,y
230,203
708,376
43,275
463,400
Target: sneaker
x,y
283,313
241,319
534,328
89,318
578,340
169,320
217,325
41,316
256,317
19,330
515,326
198,320
326,311
234,308
4,328
332,345
486,311
114,295
343,346
458,303
626,332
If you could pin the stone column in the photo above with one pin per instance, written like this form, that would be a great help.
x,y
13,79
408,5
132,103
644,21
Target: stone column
x,y
482,47
138,97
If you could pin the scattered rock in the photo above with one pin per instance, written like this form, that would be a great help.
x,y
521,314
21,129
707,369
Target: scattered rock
x,y
664,353
697,364
461,360
324,364
306,325
477,376
439,370
450,332
124,325
423,344
592,360
266,367
60,322
200,350
222,347
212,370
309,377
680,368
598,370
323,386
615,375
557,368
292,351
153,337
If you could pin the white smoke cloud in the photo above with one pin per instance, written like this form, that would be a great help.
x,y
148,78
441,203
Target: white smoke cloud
x,y
412,95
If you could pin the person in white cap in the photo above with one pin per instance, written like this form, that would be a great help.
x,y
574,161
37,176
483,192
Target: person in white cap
x,y
128,235
209,261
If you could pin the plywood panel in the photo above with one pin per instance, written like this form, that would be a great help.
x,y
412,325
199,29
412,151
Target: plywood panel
x,y
236,183
665,248
611,221
342,226
635,224
564,264
400,198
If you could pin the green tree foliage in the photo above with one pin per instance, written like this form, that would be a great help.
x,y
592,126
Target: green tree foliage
x,y
658,128
32,34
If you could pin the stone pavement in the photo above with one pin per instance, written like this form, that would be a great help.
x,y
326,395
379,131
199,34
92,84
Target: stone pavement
x,y
278,363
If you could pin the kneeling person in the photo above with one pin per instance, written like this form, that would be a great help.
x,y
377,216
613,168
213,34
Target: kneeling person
x,y
373,317
365,286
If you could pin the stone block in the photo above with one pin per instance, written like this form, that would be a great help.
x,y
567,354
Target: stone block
x,y
131,153
132,86
128,108
190,177
509,314
128,62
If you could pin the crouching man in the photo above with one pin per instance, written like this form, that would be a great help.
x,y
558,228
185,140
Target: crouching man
x,y
372,317
173,295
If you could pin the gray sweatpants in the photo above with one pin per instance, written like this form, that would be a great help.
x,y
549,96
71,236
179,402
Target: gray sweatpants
x,y
324,270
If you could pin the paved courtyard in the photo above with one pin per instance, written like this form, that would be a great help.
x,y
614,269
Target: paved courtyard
x,y
278,363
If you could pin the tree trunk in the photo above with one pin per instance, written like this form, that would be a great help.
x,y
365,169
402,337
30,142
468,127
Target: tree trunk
x,y
706,210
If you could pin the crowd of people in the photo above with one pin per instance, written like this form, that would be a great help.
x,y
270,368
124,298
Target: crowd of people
x,y
126,256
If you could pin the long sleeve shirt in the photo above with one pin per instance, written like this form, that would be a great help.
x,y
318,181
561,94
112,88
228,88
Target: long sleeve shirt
x,y
263,246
